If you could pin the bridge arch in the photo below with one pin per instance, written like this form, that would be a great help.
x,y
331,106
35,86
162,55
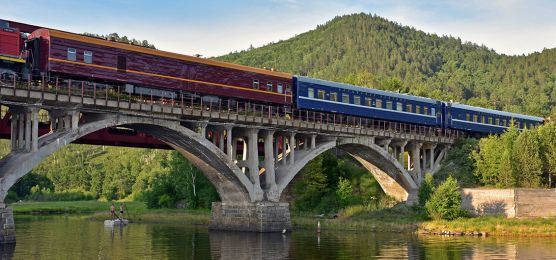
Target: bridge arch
x,y
230,182
394,179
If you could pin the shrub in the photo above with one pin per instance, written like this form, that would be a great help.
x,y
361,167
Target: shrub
x,y
426,189
445,202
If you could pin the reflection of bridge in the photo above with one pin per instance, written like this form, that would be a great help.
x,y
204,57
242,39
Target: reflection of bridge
x,y
222,140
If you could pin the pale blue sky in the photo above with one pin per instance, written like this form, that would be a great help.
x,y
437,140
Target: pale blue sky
x,y
217,27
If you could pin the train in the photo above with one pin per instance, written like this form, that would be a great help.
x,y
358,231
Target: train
x,y
48,52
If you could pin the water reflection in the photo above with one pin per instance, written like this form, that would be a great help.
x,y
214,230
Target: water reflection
x,y
62,237
246,245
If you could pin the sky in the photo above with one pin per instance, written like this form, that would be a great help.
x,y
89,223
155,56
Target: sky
x,y
217,27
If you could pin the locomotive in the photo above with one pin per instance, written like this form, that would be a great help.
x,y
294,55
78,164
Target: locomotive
x,y
141,71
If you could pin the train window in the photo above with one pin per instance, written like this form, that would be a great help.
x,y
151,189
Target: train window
x,y
417,109
518,124
122,63
72,54
378,103
368,101
310,92
320,94
333,96
425,110
433,111
345,98
467,117
490,120
269,86
288,89
280,88
497,121
408,108
483,119
389,105
475,118
504,122
399,106
255,84
357,100
88,57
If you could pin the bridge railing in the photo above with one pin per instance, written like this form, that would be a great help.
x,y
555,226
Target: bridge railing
x,y
190,101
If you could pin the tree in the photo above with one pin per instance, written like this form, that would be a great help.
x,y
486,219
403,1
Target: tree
x,y
445,202
527,160
547,135
426,189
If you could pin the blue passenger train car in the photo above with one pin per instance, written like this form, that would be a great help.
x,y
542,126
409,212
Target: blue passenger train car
x,y
488,121
327,96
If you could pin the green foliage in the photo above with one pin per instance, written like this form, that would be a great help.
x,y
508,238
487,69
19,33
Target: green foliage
x,y
84,172
426,189
45,194
329,183
459,163
344,192
122,39
517,159
445,202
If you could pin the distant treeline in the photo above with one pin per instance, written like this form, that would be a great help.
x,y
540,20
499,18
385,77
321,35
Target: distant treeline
x,y
122,39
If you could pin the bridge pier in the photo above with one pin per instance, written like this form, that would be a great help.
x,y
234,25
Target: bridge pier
x,y
254,217
7,226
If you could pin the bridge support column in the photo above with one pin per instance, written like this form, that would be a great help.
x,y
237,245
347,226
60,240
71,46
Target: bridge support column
x,y
7,226
272,193
292,148
253,162
416,158
254,217
284,157
229,146
25,129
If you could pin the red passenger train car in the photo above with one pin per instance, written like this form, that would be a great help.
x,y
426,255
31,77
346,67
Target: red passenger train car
x,y
62,53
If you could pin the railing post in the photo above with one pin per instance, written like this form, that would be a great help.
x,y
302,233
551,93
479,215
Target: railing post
x,y
118,99
95,93
82,91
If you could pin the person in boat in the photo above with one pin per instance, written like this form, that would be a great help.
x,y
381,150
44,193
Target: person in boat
x,y
112,211
122,210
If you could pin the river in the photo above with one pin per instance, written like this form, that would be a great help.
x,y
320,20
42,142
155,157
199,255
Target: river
x,y
75,237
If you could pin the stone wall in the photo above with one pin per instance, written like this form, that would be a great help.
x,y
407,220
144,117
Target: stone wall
x,y
257,217
520,203
488,202
7,226
535,203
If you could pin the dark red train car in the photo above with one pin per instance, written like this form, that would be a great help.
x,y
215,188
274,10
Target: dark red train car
x,y
89,57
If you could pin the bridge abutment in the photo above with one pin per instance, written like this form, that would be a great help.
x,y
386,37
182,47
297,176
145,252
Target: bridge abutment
x,y
253,217
7,225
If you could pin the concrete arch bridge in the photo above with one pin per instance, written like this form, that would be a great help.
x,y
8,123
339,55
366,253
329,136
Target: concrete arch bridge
x,y
225,143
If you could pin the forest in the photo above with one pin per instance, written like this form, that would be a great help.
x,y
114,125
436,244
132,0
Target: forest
x,y
360,49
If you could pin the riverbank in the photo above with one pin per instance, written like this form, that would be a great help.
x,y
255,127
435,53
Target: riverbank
x,y
99,211
395,220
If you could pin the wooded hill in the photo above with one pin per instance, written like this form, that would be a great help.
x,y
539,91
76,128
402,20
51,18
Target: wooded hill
x,y
371,51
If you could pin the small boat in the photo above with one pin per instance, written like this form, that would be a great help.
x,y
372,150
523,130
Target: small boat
x,y
115,222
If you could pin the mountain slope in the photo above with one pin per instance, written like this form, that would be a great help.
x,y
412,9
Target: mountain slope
x,y
371,51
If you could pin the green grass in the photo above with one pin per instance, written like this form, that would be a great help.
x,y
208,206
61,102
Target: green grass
x,y
356,218
496,226
136,211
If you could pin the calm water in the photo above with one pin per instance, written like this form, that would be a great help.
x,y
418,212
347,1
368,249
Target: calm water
x,y
60,237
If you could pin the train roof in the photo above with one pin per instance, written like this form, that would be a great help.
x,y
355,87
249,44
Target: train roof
x,y
129,47
498,112
367,90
